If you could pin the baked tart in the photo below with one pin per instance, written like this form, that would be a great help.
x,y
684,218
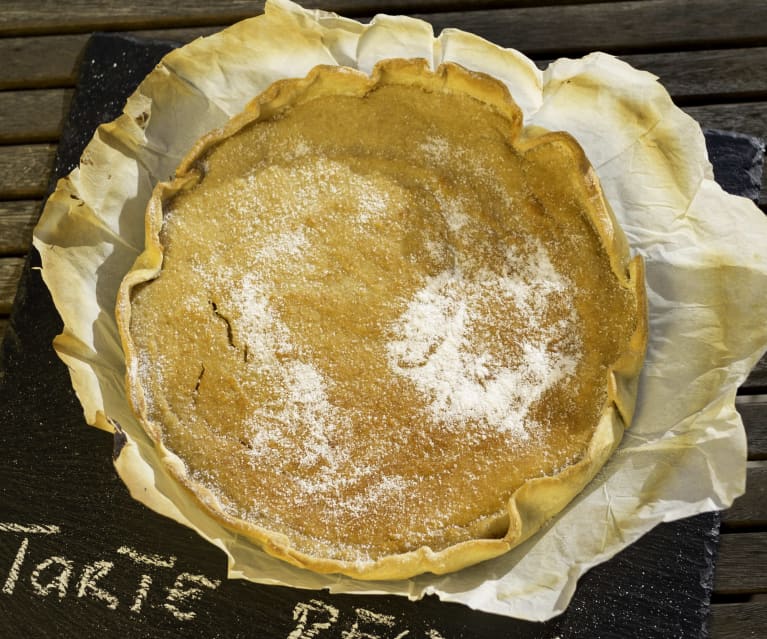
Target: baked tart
x,y
379,327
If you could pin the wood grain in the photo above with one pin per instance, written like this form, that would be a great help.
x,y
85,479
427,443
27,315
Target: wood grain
x,y
25,170
10,272
19,17
674,20
33,116
40,62
745,117
17,218
757,379
47,61
746,620
620,27
750,510
742,564
754,414
703,75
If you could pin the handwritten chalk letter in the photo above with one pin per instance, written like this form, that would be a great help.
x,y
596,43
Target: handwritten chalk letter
x,y
186,589
321,615
367,620
145,582
27,529
89,578
59,582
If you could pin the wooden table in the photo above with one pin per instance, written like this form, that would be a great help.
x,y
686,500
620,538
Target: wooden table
x,y
710,54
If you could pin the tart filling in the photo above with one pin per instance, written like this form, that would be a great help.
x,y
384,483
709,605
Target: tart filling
x,y
379,327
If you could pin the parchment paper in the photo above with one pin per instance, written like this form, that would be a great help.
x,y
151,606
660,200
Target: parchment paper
x,y
704,250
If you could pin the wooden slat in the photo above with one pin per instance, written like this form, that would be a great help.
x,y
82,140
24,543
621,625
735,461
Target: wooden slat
x,y
25,170
33,116
695,76
757,378
21,17
40,62
620,27
751,508
17,218
747,117
746,620
636,25
52,60
754,414
10,273
742,564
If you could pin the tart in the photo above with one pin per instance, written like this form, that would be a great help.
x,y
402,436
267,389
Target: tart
x,y
381,328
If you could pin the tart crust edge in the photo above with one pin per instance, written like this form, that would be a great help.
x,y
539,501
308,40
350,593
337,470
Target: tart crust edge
x,y
538,499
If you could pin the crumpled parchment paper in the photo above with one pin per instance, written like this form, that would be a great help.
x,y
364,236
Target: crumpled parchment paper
x,y
705,255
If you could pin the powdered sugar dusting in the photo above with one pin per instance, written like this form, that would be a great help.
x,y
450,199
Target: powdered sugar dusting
x,y
446,342
433,344
300,433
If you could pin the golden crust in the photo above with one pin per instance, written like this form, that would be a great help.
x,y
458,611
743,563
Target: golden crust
x,y
538,498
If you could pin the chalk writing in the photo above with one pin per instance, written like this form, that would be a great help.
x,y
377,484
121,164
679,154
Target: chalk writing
x,y
145,581
13,573
184,591
59,582
89,579
29,529
149,560
325,615
142,592
366,623
314,617
60,577
55,573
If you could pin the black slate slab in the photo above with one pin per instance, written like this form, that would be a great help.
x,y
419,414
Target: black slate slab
x,y
80,558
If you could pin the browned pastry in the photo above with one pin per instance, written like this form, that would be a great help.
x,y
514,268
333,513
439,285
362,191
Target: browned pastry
x,y
379,328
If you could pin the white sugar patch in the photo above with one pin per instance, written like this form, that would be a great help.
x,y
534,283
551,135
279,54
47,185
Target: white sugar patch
x,y
434,344
436,148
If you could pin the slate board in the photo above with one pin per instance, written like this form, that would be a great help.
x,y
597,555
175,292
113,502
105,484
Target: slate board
x,y
80,558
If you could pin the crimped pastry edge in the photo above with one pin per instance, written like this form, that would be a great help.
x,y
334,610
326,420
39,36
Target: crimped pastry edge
x,y
538,499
